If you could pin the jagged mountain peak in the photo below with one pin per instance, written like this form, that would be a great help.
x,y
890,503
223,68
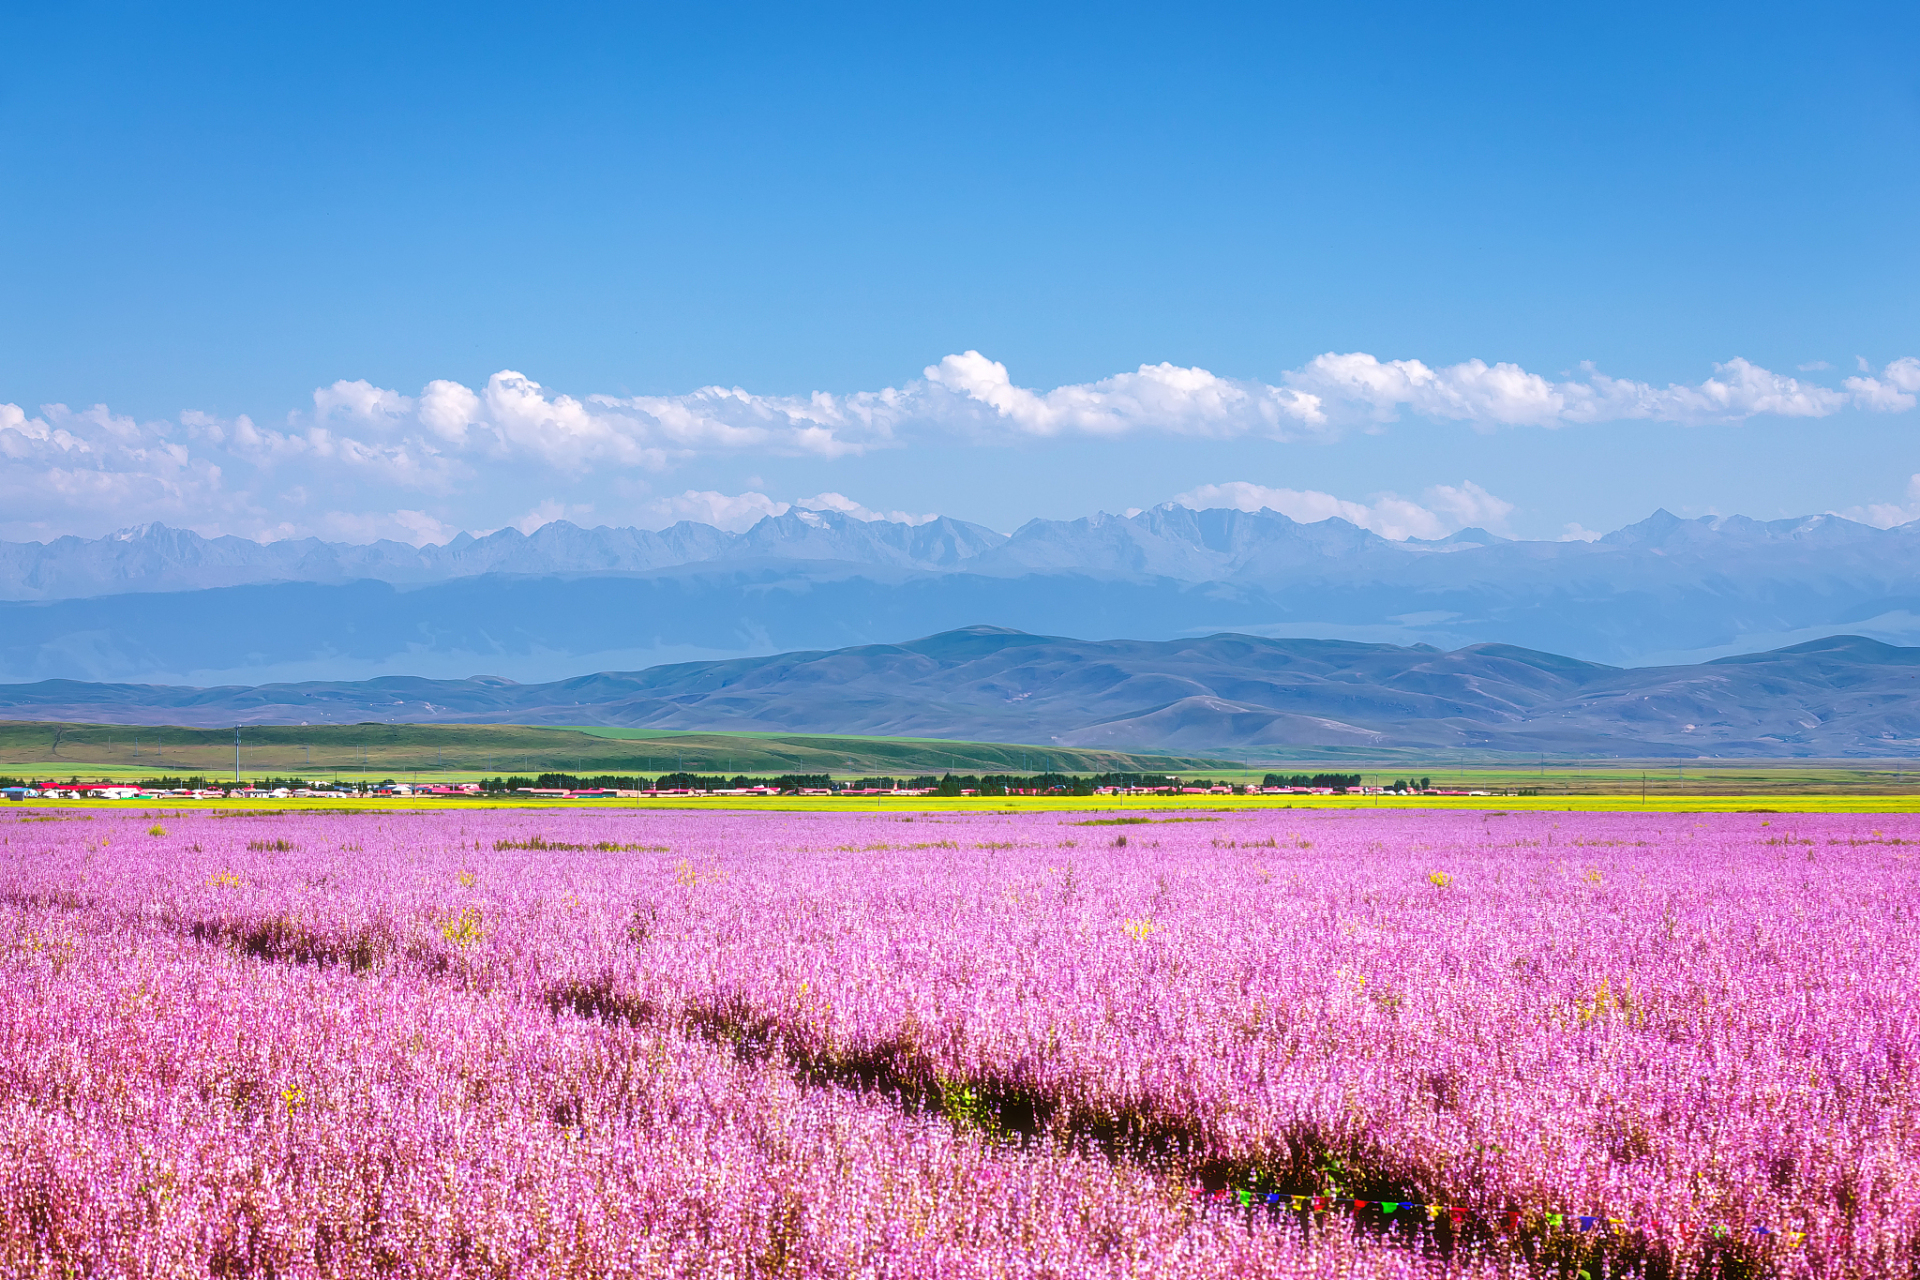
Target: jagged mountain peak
x,y
1665,530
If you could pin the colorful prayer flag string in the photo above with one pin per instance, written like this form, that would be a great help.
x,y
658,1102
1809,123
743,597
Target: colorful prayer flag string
x,y
1511,1221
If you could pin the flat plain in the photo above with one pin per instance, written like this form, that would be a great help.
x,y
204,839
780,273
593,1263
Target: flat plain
x,y
441,752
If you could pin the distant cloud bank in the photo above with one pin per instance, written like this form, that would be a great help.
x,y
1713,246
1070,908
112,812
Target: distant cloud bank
x,y
738,512
406,457
1446,509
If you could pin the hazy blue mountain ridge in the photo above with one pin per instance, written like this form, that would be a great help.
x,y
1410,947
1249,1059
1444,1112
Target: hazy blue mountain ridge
x,y
1177,543
138,605
1844,696
158,558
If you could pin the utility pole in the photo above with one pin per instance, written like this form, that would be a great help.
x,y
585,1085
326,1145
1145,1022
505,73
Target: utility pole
x,y
236,754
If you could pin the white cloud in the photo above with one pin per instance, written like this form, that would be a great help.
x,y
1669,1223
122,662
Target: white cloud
x,y
1469,506
451,450
1577,533
417,528
733,512
360,401
1447,509
1161,397
63,467
547,512
1359,388
1885,515
1337,391
847,506
1742,390
1893,391
447,409
406,461
738,512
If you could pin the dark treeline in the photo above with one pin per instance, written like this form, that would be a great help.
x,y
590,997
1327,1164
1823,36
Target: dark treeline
x,y
697,782
1000,784
991,784
1338,781
952,784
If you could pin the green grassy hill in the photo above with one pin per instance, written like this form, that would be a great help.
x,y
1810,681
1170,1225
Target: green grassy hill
x,y
348,751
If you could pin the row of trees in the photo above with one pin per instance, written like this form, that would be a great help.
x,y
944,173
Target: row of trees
x,y
688,782
1338,781
989,784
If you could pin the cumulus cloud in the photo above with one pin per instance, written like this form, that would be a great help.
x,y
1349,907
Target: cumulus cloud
x,y
1162,397
971,397
1469,505
1892,392
1447,509
552,509
735,512
1336,392
360,401
1885,515
361,447
62,463
847,506
738,512
416,528
1359,388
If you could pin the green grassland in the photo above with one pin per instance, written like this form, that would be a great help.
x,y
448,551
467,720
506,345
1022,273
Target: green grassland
x,y
1630,780
453,753
1101,810
464,752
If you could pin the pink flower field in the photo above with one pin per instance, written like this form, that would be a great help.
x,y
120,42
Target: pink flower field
x,y
579,1042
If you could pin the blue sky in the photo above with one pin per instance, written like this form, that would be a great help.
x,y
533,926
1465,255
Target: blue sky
x,y
264,271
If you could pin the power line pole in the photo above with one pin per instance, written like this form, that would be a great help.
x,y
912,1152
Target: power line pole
x,y
236,754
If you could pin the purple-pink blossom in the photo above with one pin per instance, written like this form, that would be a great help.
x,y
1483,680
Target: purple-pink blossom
x,y
630,1042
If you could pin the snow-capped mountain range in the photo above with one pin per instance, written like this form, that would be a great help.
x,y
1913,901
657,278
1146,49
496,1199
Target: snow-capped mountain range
x,y
156,603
